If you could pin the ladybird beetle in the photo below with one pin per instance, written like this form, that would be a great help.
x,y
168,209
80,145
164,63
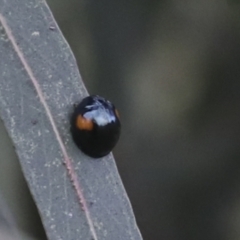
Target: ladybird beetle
x,y
95,126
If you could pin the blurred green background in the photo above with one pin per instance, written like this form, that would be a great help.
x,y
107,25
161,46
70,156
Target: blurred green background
x,y
172,68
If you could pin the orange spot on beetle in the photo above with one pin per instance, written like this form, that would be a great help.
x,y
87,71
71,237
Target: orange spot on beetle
x,y
117,113
83,123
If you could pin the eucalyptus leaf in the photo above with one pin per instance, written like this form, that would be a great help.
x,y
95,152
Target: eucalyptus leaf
x,y
77,197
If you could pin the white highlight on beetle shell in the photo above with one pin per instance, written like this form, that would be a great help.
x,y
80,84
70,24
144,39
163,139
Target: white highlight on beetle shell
x,y
100,114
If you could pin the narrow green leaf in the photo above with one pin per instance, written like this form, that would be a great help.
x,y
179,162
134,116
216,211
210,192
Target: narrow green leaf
x,y
77,197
